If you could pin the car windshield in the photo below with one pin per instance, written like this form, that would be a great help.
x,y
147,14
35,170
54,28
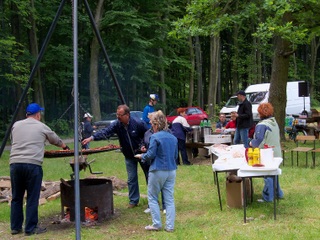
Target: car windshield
x,y
232,102
174,113
136,114
110,116
256,97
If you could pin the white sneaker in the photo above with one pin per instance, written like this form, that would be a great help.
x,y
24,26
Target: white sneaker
x,y
147,210
164,211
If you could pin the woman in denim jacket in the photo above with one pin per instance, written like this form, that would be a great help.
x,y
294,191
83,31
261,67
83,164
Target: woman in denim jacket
x,y
161,155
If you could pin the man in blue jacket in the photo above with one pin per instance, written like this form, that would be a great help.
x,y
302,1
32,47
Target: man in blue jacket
x,y
130,132
154,98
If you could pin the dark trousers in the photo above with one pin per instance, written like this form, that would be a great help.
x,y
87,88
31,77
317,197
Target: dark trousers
x,y
25,177
183,151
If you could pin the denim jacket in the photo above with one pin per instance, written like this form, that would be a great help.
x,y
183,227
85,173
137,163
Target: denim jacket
x,y
162,152
130,136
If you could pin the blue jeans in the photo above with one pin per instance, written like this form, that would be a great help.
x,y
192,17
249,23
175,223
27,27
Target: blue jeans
x,y
267,192
241,134
133,184
25,177
162,181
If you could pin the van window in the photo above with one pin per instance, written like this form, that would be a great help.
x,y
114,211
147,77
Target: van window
x,y
232,102
256,97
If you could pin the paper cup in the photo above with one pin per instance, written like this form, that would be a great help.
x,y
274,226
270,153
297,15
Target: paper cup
x,y
266,157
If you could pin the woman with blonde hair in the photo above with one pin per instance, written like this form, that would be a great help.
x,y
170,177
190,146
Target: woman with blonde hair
x,y
267,132
161,154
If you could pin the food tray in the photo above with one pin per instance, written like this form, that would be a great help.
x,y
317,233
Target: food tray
x,y
67,153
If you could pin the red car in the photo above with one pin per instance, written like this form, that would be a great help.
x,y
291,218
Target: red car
x,y
194,115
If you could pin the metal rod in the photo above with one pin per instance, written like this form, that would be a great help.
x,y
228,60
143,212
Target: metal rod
x,y
34,70
115,81
76,122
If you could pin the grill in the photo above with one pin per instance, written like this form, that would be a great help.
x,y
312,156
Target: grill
x,y
95,193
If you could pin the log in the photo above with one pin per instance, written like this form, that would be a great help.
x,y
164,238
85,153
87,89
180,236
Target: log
x,y
50,191
54,196
5,184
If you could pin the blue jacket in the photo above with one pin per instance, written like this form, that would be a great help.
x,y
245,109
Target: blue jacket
x,y
148,109
130,136
179,131
87,129
162,152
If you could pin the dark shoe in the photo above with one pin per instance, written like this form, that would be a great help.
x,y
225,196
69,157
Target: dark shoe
x,y
132,205
14,232
188,163
37,230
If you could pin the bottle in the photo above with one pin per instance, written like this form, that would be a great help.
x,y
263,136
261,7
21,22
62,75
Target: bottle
x,y
256,156
250,156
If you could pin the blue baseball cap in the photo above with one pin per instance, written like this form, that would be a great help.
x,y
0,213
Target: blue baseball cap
x,y
33,108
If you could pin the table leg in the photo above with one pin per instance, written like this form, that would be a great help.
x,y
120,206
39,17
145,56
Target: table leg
x,y
189,153
218,187
274,196
244,200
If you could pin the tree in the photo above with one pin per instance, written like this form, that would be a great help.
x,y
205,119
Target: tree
x,y
94,86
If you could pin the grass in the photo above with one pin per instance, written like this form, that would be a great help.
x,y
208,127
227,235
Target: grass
x,y
198,214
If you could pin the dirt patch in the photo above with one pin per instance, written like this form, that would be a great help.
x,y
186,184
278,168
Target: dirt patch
x,y
201,160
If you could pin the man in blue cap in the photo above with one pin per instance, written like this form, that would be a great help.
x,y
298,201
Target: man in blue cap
x,y
28,139
154,98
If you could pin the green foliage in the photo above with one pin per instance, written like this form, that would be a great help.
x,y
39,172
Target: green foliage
x,y
61,127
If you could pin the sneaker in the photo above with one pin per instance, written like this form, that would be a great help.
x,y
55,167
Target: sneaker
x,y
130,205
37,230
260,200
151,228
168,230
14,231
147,210
164,211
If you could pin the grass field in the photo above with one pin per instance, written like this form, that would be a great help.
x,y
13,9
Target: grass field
x,y
198,215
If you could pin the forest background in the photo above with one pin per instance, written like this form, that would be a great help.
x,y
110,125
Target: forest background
x,y
196,52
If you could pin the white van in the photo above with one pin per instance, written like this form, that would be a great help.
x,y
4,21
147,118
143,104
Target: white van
x,y
259,93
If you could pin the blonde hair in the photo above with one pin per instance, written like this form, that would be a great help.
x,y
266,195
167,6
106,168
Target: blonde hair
x,y
159,120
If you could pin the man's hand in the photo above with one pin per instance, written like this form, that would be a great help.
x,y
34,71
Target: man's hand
x,y
143,149
85,141
66,148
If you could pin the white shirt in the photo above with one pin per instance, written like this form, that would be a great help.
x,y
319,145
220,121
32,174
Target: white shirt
x,y
181,120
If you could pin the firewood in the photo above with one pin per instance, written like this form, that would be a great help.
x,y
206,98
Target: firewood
x,y
5,183
42,201
50,191
54,196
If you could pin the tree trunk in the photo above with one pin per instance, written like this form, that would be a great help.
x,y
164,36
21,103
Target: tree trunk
x,y
191,80
214,74
94,62
37,85
278,82
315,43
162,79
199,71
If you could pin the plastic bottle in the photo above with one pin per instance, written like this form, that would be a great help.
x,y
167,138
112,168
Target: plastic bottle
x,y
250,156
256,156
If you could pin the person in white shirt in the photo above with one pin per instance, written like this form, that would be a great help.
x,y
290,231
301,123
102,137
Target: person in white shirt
x,y
179,129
